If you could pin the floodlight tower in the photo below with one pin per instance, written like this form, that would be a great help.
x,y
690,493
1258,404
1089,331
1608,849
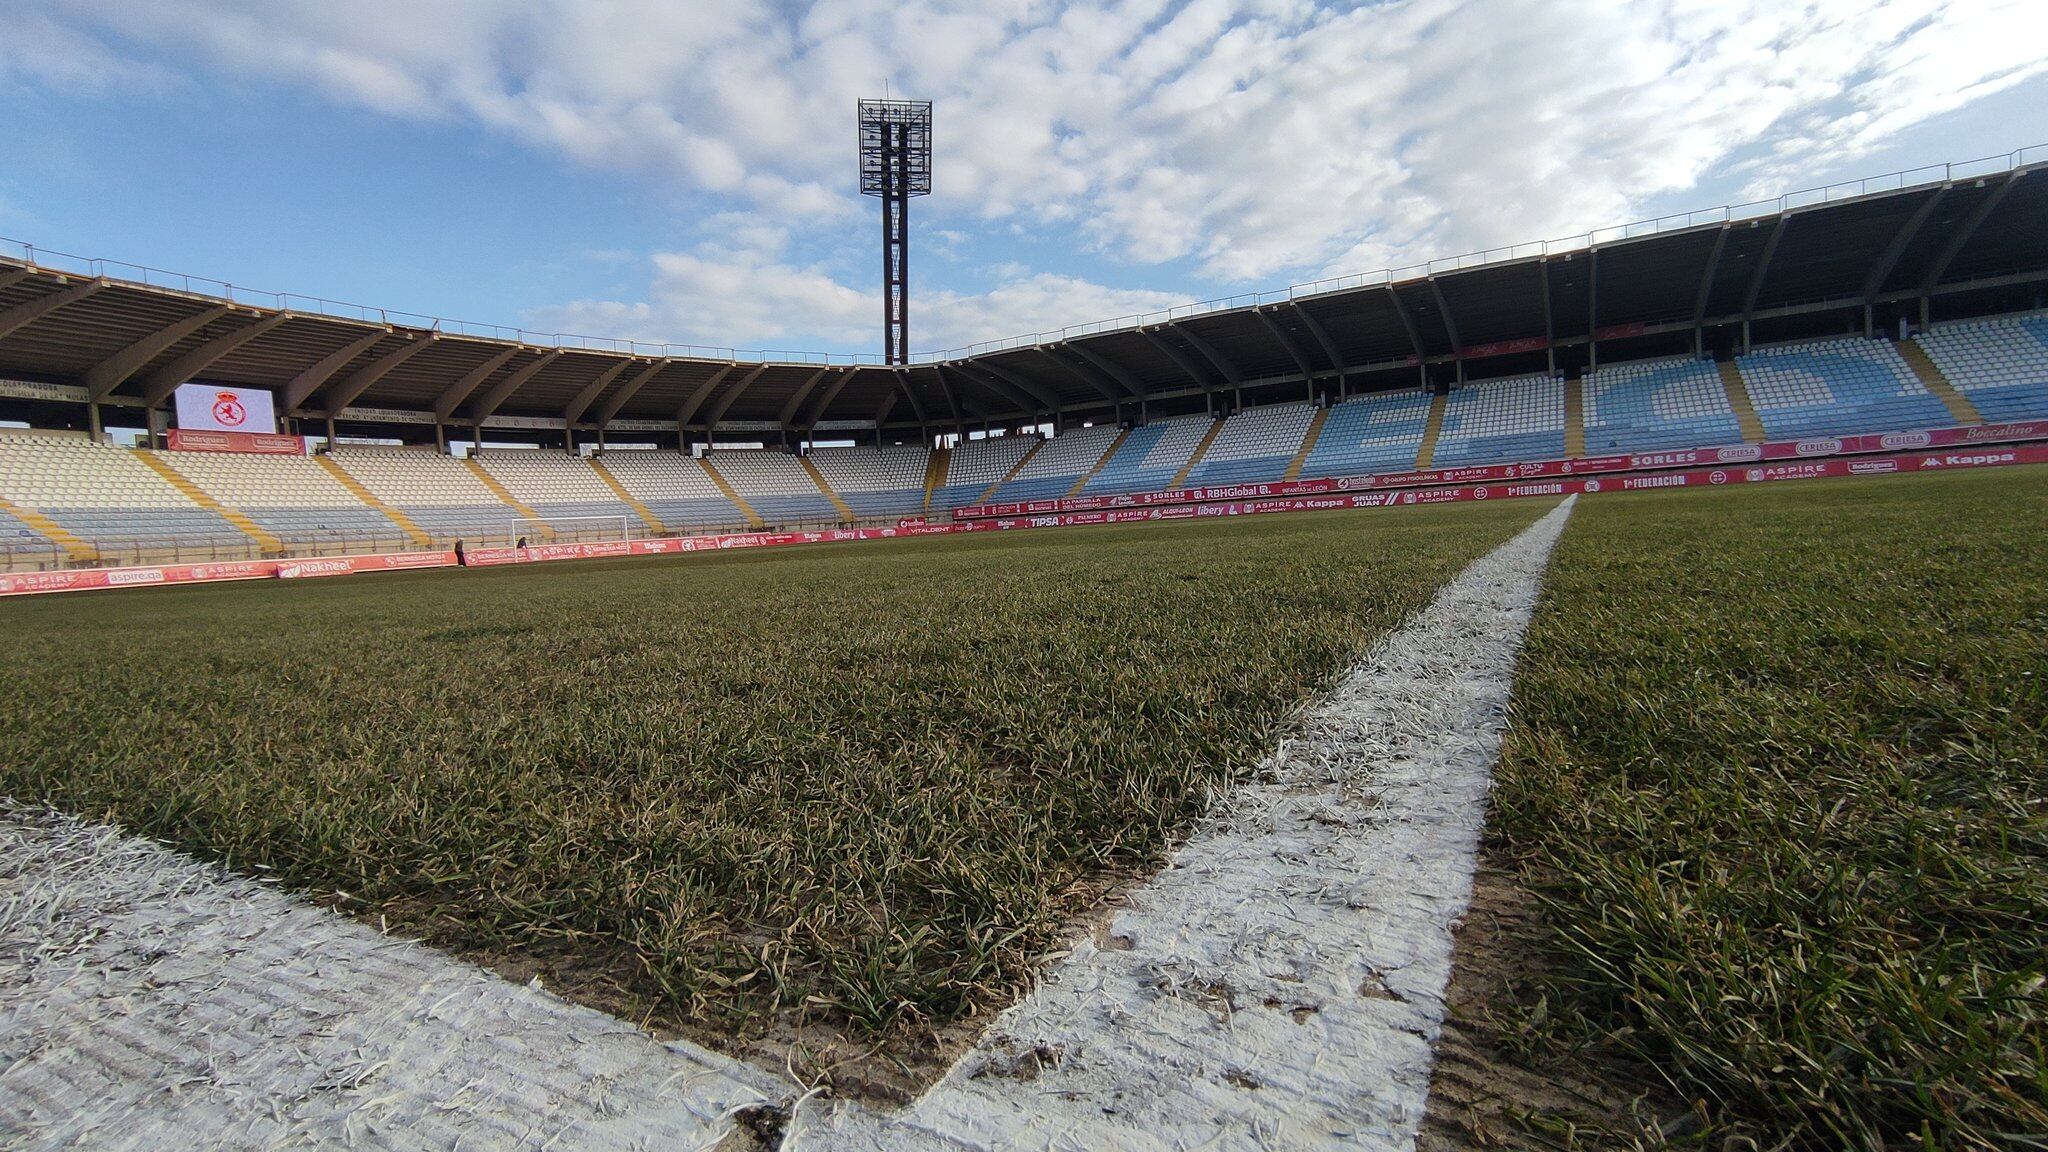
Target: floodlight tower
x,y
896,164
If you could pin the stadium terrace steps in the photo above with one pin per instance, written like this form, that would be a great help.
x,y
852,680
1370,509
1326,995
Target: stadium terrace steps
x,y
989,493
405,523
1181,477
1501,420
1431,432
1575,419
2000,365
935,472
193,492
1308,444
730,493
1924,367
540,524
1121,436
74,548
818,478
646,514
1738,399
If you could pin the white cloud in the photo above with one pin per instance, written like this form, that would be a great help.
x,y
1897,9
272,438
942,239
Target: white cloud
x,y
744,291
1259,139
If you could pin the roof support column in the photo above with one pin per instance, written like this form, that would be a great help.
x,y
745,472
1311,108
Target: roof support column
x,y
1756,280
1593,310
1549,321
1699,306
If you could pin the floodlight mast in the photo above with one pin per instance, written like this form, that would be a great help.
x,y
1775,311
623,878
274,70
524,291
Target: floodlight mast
x,y
896,164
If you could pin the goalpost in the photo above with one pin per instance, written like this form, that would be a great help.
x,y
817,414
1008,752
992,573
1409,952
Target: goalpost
x,y
574,529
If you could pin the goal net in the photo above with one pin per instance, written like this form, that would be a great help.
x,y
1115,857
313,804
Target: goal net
x,y
573,529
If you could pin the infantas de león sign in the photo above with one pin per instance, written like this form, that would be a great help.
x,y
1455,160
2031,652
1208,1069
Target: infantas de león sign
x,y
218,408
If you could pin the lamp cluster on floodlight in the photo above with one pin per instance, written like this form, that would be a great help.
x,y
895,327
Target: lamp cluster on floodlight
x,y
896,164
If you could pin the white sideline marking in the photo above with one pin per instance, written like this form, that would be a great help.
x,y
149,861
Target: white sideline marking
x,y
148,1001
1283,982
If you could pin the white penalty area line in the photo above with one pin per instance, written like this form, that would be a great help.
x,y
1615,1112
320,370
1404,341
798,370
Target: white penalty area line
x,y
1281,984
148,1001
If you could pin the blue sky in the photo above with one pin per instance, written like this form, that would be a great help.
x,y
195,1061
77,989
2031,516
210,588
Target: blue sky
x,y
653,170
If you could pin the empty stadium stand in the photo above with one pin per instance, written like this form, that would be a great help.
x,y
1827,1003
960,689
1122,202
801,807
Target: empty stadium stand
x,y
437,492
674,487
2000,365
1150,457
1496,421
775,485
65,498
1836,387
1377,433
291,497
876,482
108,498
976,465
1652,405
562,490
1254,445
1059,465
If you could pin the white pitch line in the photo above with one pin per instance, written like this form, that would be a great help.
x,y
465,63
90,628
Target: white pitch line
x,y
1281,984
148,1001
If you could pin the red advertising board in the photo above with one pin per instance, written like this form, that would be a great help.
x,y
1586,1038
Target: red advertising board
x,y
352,565
260,443
141,576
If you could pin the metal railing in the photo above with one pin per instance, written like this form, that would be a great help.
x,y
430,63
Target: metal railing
x,y
1806,197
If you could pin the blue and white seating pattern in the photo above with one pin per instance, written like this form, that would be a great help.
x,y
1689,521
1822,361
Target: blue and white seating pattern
x,y
1254,445
1151,456
1837,387
1377,433
437,492
977,464
1058,466
775,484
291,497
562,490
1498,421
876,482
2001,365
105,495
672,486
1654,405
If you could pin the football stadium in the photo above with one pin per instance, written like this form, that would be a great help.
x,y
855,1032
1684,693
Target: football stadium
x,y
1589,693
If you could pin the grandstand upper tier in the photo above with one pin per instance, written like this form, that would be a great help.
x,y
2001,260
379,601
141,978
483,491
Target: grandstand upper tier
x,y
80,337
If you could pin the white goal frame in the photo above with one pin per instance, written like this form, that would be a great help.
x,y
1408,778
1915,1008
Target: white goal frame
x,y
575,529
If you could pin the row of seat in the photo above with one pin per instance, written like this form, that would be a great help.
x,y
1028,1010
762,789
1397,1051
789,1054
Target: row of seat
x,y
101,495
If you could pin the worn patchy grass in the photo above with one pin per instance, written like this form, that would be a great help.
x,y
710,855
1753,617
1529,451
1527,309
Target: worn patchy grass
x,y
869,781
1779,767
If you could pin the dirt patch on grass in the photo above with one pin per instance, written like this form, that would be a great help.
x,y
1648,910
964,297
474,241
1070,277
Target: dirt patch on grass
x,y
1485,1093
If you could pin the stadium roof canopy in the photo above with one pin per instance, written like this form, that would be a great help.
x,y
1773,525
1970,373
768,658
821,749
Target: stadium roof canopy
x,y
73,339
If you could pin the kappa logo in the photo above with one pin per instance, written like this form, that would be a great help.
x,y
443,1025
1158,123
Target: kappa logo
x,y
228,410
